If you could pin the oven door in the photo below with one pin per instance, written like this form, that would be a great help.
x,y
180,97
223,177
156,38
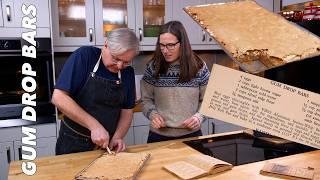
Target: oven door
x,y
10,83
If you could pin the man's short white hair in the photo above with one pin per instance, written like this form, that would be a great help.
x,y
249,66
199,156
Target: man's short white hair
x,y
121,40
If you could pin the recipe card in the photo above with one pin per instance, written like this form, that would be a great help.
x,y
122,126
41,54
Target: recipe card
x,y
264,105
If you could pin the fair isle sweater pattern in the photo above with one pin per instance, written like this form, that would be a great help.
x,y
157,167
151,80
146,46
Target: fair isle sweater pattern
x,y
171,78
172,100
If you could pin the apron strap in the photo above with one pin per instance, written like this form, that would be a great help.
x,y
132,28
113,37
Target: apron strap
x,y
75,131
97,66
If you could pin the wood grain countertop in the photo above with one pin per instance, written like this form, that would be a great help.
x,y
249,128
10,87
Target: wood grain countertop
x,y
67,166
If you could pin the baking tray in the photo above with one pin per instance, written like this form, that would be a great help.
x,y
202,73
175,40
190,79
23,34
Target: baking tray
x,y
108,166
254,37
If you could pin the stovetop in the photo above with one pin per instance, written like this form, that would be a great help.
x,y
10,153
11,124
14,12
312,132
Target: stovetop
x,y
244,148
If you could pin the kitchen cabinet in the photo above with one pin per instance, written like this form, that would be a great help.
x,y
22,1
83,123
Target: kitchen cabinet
x,y
115,14
141,134
10,144
205,127
141,128
1,18
45,147
129,138
217,126
12,13
6,156
87,22
150,15
11,17
73,22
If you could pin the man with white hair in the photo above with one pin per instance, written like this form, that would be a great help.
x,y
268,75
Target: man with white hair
x,y
96,93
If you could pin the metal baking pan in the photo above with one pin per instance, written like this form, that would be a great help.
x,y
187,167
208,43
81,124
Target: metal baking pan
x,y
254,37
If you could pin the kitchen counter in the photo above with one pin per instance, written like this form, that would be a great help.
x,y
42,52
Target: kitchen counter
x,y
8,123
67,166
137,107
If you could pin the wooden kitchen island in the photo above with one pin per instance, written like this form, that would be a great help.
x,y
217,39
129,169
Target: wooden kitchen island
x,y
65,167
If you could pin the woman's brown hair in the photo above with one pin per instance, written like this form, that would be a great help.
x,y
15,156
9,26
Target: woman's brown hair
x,y
189,62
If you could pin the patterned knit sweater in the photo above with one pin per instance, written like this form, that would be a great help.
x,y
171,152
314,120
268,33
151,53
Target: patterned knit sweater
x,y
174,101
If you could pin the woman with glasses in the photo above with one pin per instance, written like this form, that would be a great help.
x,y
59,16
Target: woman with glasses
x,y
173,86
96,93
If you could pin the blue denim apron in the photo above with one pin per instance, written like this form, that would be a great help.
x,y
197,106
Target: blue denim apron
x,y
102,99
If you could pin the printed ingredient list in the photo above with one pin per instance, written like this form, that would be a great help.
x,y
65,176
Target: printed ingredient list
x,y
264,105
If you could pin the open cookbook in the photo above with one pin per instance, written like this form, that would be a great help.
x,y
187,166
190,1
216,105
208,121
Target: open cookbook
x,y
197,165
287,171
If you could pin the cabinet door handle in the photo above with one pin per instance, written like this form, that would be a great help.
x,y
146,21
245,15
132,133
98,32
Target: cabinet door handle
x,y
8,10
20,153
8,155
90,34
203,36
126,20
140,34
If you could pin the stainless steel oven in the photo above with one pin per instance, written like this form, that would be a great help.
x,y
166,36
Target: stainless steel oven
x,y
11,61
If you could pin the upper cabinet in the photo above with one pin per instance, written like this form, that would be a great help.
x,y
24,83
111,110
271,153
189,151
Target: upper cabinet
x,y
11,15
87,22
115,14
1,18
12,12
73,22
150,15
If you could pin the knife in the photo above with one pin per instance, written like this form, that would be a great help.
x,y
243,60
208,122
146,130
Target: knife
x,y
108,150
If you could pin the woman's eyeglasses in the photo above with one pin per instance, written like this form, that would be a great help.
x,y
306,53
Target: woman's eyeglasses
x,y
117,61
169,46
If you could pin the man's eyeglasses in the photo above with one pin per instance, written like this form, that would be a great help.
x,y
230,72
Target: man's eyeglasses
x,y
117,61
169,46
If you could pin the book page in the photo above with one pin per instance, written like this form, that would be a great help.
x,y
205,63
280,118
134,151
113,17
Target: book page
x,y
185,170
206,162
260,104
291,171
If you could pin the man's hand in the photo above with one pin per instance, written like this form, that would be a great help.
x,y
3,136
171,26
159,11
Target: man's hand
x,y
157,121
100,136
117,144
192,123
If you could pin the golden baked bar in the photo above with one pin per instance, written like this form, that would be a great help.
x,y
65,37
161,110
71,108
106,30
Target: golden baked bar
x,y
254,37
122,166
